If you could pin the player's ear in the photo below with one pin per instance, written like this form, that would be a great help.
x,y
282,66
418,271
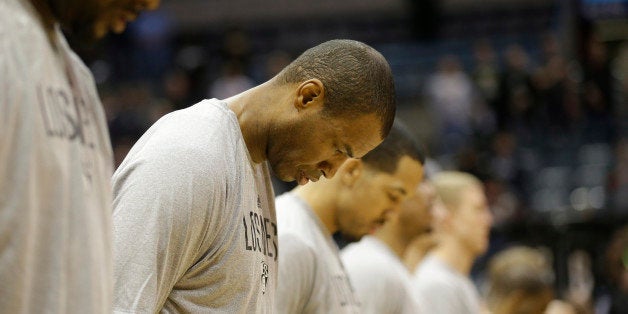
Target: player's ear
x,y
350,171
310,94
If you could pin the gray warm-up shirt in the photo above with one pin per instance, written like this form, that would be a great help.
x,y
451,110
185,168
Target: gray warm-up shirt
x,y
382,283
312,278
55,170
194,220
444,290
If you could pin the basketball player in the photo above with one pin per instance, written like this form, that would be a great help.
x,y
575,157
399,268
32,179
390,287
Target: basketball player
x,y
462,228
355,202
55,158
375,266
194,220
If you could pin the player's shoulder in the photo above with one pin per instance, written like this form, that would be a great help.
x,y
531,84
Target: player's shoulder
x,y
14,14
202,134
17,20
368,249
296,247
292,214
360,258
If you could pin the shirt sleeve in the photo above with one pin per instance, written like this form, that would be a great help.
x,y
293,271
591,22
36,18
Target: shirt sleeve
x,y
161,211
297,268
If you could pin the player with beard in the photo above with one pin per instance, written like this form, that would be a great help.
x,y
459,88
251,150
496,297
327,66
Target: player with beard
x,y
375,264
194,220
55,158
355,202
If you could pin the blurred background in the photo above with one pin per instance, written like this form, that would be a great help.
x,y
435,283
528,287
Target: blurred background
x,y
529,95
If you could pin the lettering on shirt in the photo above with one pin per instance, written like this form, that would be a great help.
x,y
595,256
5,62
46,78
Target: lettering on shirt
x,y
260,233
66,116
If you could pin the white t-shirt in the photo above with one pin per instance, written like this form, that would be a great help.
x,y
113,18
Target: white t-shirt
x,y
444,290
311,276
194,221
381,281
55,169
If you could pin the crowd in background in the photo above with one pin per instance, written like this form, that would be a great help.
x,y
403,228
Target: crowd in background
x,y
545,130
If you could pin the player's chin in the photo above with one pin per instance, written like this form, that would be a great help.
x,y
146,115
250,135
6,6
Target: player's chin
x,y
282,175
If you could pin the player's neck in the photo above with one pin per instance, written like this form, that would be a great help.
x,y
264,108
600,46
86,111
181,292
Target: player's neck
x,y
391,236
253,109
454,254
320,197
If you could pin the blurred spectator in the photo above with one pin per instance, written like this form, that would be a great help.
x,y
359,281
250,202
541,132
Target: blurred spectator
x,y
557,95
276,60
619,184
598,100
233,63
620,71
232,81
236,46
514,106
486,71
130,119
503,202
450,94
177,88
616,266
580,288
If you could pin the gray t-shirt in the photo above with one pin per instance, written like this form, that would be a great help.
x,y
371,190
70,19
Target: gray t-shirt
x,y
55,170
194,221
381,281
444,290
311,276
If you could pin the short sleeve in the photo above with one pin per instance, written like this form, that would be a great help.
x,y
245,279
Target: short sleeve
x,y
161,218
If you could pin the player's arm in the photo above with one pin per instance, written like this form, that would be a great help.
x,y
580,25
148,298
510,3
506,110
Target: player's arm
x,y
160,219
297,267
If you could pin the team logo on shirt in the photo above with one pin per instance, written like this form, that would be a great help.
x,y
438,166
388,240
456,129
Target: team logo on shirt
x,y
260,233
265,272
